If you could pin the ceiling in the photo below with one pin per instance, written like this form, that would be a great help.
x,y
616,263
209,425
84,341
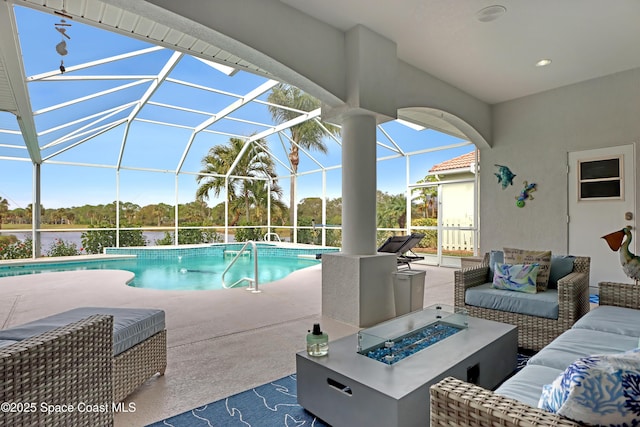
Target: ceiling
x,y
118,100
492,61
495,61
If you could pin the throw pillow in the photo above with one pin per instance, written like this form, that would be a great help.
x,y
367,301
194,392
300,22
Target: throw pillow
x,y
494,256
597,390
542,258
519,277
561,265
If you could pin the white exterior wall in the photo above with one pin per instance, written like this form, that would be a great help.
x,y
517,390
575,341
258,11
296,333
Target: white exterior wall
x,y
532,135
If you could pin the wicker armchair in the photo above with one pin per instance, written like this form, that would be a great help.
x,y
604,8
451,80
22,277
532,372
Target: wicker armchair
x,y
458,403
65,366
533,332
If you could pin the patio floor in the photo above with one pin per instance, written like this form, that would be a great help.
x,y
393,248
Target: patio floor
x,y
219,342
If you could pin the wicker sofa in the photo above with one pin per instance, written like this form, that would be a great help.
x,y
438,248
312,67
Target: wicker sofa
x,y
534,332
42,360
67,364
455,402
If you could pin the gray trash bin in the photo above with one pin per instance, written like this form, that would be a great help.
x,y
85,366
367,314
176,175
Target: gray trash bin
x,y
408,290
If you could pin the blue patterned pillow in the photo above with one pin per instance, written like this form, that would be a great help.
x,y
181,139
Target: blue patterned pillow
x,y
516,277
597,390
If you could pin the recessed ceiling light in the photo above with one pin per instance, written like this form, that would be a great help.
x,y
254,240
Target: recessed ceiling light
x,y
490,13
543,63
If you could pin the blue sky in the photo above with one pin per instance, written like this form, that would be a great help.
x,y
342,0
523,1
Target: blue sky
x,y
153,146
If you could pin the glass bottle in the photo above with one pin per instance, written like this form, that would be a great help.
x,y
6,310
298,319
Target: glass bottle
x,y
317,342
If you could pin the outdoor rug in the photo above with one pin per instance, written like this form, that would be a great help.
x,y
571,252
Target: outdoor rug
x,y
273,404
269,405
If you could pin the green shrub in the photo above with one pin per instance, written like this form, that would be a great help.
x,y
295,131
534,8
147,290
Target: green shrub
x,y
166,240
430,239
61,248
94,241
17,249
246,234
334,238
309,236
190,236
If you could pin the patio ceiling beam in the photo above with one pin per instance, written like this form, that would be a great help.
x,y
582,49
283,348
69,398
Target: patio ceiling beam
x,y
331,135
81,129
264,87
89,97
248,122
443,147
273,156
11,62
388,147
94,132
300,119
18,147
160,78
15,159
70,78
385,133
157,122
176,107
303,150
86,65
202,87
284,149
85,132
85,118
284,107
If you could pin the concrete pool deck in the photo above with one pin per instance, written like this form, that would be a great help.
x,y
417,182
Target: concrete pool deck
x,y
220,342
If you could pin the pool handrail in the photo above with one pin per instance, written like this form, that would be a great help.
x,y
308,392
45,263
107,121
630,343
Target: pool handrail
x,y
269,236
253,283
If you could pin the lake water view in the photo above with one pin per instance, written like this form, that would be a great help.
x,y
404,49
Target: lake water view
x,y
48,237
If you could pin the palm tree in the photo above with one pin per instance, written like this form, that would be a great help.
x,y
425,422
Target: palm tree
x,y
254,163
129,210
307,135
259,195
29,211
392,210
4,208
427,195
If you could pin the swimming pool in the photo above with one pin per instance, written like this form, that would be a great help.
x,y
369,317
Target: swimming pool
x,y
188,268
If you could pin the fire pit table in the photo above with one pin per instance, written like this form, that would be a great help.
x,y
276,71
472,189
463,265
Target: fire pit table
x,y
381,375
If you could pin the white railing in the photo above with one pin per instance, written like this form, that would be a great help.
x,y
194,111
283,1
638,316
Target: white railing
x,y
457,235
253,283
269,237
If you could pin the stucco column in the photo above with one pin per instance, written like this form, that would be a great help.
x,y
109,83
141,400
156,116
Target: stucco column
x,y
359,185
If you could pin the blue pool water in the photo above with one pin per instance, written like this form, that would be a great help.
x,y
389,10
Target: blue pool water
x,y
183,270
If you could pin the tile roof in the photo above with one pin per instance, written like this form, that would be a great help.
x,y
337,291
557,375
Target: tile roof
x,y
463,161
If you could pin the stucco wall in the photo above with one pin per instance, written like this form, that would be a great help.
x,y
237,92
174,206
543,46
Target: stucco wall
x,y
533,135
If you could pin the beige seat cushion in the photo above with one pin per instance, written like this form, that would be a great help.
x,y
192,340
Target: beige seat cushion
x,y
524,256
